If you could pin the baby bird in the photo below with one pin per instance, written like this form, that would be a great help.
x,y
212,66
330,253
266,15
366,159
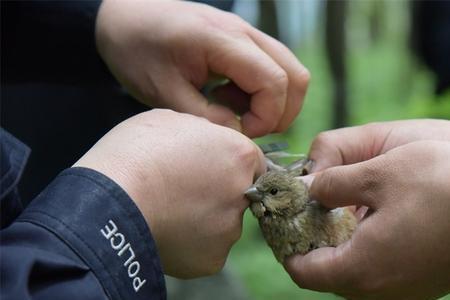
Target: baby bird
x,y
290,221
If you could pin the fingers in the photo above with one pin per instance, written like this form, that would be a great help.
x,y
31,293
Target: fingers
x,y
348,145
324,269
356,184
251,159
230,95
258,75
195,103
298,75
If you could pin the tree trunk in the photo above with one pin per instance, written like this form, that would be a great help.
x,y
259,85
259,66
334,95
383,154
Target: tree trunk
x,y
335,41
268,21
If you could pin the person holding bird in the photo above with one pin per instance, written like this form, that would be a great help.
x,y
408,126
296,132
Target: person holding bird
x,y
161,192
399,171
164,191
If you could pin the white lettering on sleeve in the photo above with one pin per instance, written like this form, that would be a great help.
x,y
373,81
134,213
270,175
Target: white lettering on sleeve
x,y
117,241
110,232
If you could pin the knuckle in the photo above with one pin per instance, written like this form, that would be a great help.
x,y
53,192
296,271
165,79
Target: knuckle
x,y
326,184
247,154
303,78
373,128
277,85
280,80
323,139
235,18
227,22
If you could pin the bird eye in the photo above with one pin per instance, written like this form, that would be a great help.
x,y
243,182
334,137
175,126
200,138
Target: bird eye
x,y
274,191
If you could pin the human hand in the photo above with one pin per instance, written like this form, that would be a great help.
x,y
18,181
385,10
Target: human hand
x,y
163,52
399,251
187,177
355,144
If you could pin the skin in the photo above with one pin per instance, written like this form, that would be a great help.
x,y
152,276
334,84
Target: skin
x,y
163,52
176,168
400,171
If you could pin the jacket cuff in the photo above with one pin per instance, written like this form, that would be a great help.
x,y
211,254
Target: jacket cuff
x,y
100,222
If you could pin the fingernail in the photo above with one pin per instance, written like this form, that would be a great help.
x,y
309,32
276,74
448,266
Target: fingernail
x,y
308,180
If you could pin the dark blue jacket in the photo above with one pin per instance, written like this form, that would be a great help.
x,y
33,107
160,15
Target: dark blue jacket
x,y
81,238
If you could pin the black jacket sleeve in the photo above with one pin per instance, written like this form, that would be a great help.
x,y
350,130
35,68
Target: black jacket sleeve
x,y
51,41
54,42
81,238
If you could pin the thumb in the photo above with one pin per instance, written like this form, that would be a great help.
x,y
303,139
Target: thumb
x,y
356,184
348,145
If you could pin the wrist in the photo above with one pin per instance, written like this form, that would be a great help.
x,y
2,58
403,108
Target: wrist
x,y
141,187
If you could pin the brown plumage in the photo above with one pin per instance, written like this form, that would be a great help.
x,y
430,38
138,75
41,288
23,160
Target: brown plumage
x,y
290,221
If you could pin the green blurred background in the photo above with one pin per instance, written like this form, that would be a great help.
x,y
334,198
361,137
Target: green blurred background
x,y
385,81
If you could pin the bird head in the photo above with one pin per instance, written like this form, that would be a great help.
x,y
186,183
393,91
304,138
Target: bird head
x,y
277,193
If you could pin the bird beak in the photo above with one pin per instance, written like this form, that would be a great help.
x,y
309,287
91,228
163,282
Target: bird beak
x,y
254,195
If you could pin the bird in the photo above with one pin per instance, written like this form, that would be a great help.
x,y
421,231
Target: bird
x,y
292,222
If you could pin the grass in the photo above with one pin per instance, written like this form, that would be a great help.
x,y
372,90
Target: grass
x,y
385,83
